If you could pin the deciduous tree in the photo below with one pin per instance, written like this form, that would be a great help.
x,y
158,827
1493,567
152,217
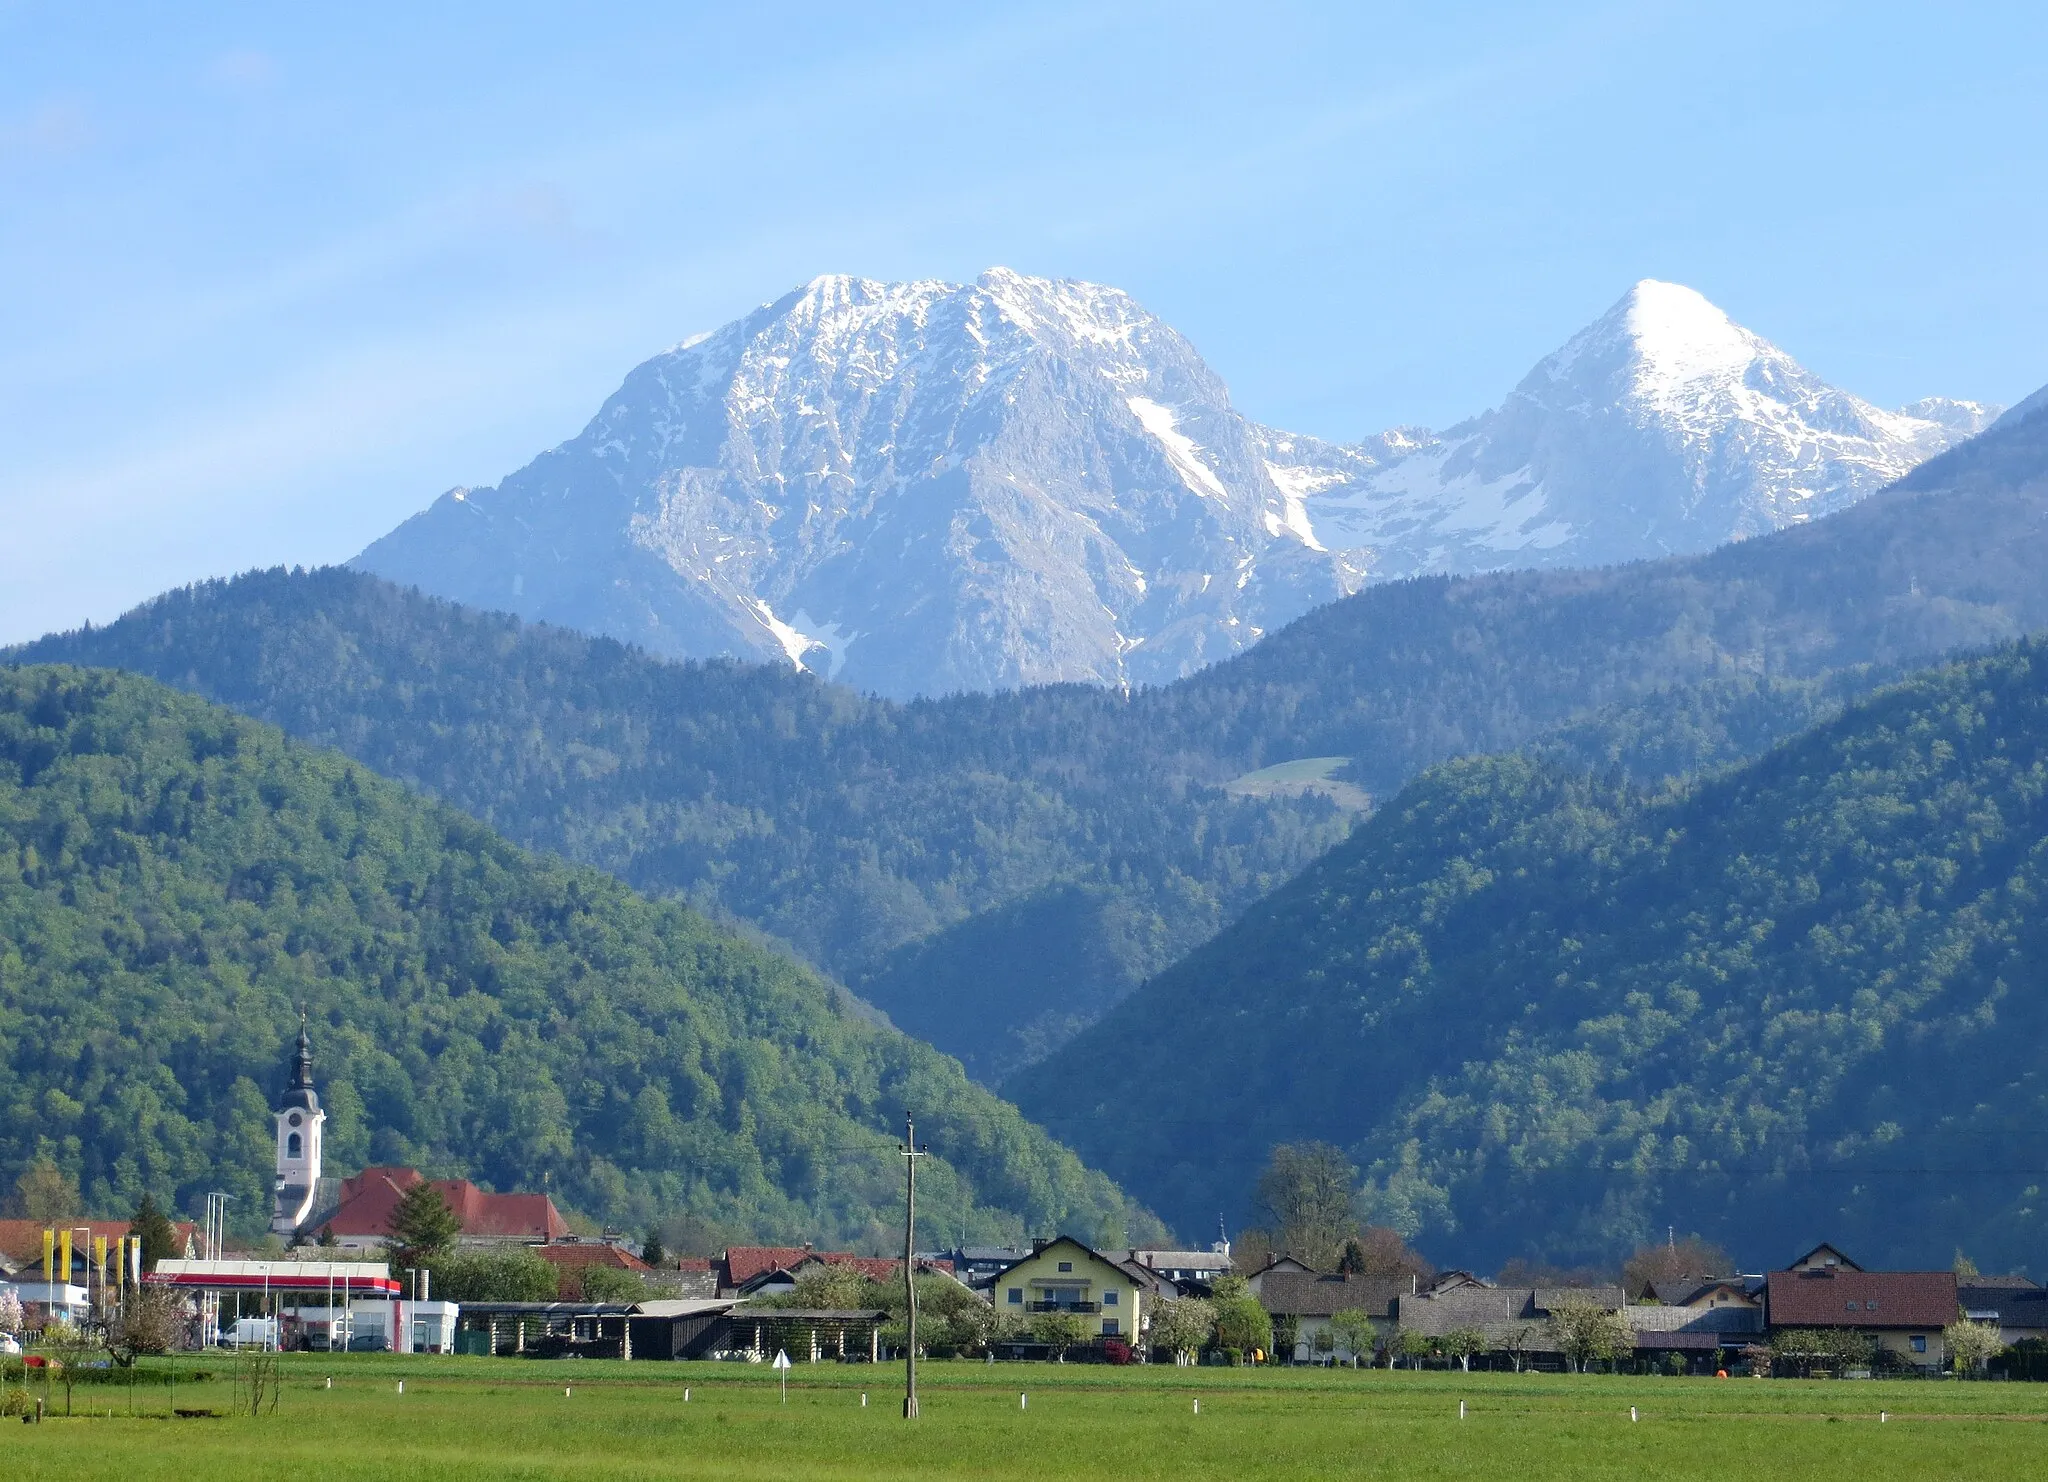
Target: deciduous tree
x,y
45,1193
1690,1259
1969,1345
1355,1334
1585,1332
1308,1190
1182,1325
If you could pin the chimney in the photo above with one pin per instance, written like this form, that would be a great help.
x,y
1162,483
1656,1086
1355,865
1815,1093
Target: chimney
x,y
1039,1243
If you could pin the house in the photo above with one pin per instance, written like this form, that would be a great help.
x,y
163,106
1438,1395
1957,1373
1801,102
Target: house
x,y
21,1241
976,1265
1278,1266
572,1257
774,1270
1697,1320
1310,1300
1904,1311
1513,1320
2018,1306
1063,1275
1187,1268
361,1221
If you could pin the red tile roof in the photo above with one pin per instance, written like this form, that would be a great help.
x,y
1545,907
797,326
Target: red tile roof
x,y
368,1199
584,1254
22,1240
746,1263
1861,1299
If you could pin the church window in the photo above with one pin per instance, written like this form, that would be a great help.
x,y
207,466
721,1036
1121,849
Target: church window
x,y
291,1146
292,1120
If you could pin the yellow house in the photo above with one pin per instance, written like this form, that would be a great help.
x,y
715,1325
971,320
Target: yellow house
x,y
1064,1275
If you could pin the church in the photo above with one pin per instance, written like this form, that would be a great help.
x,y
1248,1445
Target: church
x,y
354,1213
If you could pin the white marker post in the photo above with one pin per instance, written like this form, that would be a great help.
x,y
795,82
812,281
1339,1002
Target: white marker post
x,y
1461,1409
1631,1415
782,1368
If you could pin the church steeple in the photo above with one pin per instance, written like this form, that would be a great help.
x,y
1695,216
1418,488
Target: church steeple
x,y
299,1123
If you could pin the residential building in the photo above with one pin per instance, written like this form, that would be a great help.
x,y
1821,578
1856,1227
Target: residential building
x,y
1064,1275
1311,1300
572,1257
977,1265
21,1241
1904,1311
1187,1268
773,1270
1513,1320
2017,1306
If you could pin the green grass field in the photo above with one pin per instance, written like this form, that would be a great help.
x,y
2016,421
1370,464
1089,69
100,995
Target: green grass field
x,y
463,1418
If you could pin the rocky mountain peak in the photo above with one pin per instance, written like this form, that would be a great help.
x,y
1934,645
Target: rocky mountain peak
x,y
928,486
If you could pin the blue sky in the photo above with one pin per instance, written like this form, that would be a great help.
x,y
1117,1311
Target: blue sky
x,y
272,278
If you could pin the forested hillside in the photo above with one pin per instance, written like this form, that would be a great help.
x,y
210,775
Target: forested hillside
x,y
996,870
866,835
1550,1015
1398,677
175,880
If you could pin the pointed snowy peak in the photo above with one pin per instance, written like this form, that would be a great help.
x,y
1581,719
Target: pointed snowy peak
x,y
1662,337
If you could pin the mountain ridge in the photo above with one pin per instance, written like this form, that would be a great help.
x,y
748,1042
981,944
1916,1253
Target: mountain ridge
x,y
925,487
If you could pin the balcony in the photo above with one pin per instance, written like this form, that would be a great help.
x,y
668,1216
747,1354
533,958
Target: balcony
x,y
1062,1307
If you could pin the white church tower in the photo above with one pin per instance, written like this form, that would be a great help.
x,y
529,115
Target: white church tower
x,y
299,1120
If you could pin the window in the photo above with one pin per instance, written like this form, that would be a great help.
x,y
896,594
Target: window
x,y
1016,1295
1871,1305
1109,1296
1109,1327
292,1120
291,1146
1849,1306
1066,1265
1919,1343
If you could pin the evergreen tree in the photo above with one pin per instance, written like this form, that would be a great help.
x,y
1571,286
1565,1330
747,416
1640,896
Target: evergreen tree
x,y
422,1227
650,1248
159,1237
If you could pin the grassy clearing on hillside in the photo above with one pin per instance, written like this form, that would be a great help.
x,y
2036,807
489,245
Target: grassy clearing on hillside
x,y
1297,778
464,1418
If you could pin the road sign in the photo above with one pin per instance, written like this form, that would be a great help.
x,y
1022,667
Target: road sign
x,y
782,1369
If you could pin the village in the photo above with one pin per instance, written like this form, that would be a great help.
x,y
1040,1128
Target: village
x,y
353,1267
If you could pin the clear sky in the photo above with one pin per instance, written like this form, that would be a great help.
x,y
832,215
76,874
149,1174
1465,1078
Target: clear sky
x,y
272,277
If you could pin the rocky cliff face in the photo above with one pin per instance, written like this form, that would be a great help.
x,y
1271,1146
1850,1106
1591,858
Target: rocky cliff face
x,y
914,488
924,487
1662,428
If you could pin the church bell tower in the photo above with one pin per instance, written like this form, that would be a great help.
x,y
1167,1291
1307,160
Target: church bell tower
x,y
299,1120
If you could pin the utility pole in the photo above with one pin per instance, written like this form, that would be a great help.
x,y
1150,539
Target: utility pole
x,y
911,1153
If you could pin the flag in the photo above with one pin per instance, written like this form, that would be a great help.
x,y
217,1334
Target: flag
x,y
49,1256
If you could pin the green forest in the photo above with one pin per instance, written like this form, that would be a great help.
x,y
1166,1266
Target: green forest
x,y
994,871
865,836
176,880
1549,1013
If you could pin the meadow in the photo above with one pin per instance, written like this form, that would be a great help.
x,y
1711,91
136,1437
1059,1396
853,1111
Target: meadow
x,y
473,1418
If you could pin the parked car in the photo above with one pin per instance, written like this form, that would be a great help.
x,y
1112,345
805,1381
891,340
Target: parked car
x,y
10,1345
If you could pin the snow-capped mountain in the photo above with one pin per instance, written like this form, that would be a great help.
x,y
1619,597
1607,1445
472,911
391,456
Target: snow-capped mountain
x,y
913,487
924,487
1662,427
